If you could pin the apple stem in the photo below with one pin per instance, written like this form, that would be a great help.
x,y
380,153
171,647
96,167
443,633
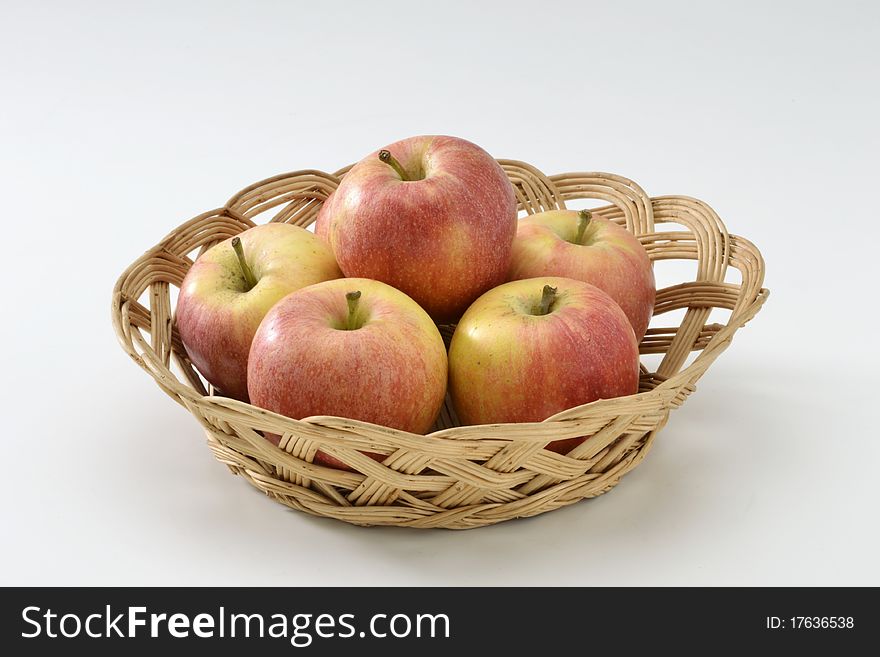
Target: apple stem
x,y
584,217
548,296
391,161
352,299
246,271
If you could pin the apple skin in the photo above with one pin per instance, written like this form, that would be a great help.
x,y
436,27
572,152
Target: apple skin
x,y
217,316
508,365
611,258
443,239
391,371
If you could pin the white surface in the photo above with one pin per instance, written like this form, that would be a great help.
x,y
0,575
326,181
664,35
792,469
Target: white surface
x,y
119,122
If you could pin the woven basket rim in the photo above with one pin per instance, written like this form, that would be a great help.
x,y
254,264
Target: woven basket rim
x,y
668,386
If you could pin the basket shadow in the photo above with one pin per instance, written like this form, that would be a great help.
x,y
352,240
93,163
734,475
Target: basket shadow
x,y
666,497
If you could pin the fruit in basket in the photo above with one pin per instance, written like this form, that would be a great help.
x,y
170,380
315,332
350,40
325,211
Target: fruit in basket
x,y
587,247
531,348
230,288
433,216
352,347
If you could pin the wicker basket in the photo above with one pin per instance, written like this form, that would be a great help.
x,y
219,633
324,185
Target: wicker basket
x,y
456,477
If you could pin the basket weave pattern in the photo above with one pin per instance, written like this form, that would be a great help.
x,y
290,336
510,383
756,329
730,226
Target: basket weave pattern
x,y
456,477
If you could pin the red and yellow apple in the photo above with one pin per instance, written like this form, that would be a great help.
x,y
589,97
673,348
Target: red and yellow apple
x,y
231,287
432,216
354,348
587,247
531,348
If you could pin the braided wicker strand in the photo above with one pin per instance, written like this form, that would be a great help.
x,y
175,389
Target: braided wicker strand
x,y
457,477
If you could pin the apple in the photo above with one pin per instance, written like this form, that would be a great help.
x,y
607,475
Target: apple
x,y
353,348
433,216
589,248
230,288
531,348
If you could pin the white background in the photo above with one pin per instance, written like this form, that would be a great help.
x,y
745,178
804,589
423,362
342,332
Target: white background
x,y
121,120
